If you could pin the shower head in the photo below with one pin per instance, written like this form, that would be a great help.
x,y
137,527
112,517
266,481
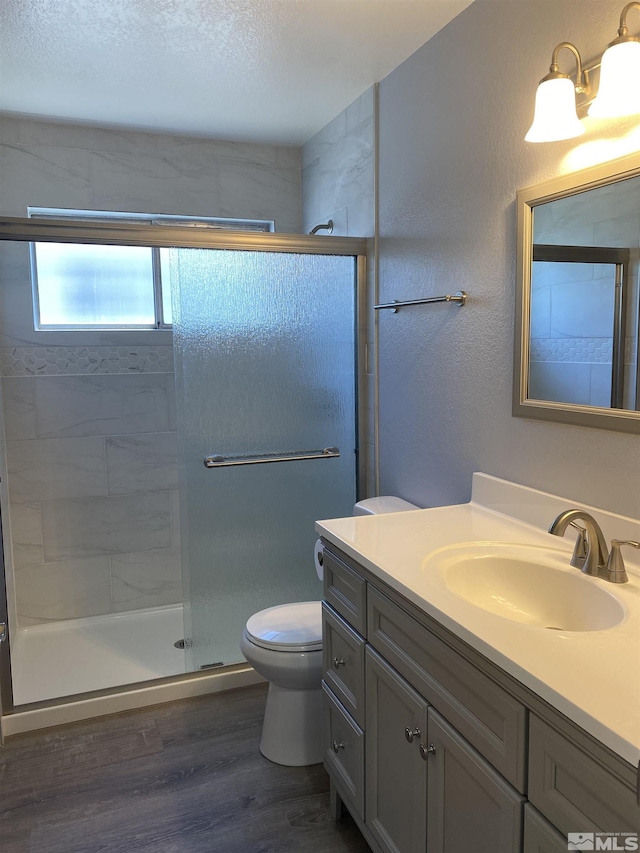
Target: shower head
x,y
328,226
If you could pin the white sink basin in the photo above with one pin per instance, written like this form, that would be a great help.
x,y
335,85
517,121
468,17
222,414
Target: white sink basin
x,y
535,586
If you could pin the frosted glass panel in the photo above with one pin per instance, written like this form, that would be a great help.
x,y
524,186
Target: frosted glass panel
x,y
84,285
265,364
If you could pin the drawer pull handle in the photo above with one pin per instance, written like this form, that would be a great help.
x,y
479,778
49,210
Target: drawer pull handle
x,y
337,746
410,735
338,662
426,751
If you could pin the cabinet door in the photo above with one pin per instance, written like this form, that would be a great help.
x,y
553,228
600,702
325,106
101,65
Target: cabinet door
x,y
470,806
396,725
539,835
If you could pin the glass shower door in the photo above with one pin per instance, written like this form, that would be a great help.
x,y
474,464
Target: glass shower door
x,y
265,367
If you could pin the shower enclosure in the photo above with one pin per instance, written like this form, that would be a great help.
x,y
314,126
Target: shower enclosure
x,y
154,497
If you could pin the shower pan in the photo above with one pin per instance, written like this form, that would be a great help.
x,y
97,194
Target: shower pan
x,y
194,505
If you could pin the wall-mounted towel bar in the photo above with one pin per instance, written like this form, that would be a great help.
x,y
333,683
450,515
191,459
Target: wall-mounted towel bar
x,y
261,459
459,298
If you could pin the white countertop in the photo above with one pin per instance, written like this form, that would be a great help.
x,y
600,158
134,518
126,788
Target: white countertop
x,y
593,677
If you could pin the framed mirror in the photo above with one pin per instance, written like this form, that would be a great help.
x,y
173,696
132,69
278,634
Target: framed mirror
x,y
578,298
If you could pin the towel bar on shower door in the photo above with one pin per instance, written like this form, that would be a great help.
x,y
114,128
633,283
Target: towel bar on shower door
x,y
260,459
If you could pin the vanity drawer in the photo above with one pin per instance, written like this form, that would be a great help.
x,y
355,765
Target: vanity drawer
x,y
572,790
344,753
343,662
346,591
485,714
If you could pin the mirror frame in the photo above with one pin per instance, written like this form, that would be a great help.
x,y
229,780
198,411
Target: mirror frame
x,y
621,420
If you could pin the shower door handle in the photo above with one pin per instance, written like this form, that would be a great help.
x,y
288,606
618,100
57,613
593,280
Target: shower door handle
x,y
3,631
260,459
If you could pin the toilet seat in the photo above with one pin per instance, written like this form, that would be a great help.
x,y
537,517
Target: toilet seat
x,y
287,627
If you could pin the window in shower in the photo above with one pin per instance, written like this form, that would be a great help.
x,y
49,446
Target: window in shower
x,y
80,286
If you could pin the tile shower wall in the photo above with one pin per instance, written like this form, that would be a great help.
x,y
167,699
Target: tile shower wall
x,y
577,367
90,481
338,183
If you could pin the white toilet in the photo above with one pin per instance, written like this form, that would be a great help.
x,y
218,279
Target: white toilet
x,y
284,644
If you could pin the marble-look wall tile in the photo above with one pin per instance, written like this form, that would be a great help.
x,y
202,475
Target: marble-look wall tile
x,y
148,579
104,526
361,217
289,157
601,382
49,469
142,463
14,262
324,139
248,192
622,232
101,405
26,535
573,314
19,407
141,184
560,382
67,135
198,153
16,313
43,177
175,519
8,129
172,402
64,590
360,110
345,174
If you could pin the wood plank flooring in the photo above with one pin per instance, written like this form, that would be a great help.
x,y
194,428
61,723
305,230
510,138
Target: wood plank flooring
x,y
185,777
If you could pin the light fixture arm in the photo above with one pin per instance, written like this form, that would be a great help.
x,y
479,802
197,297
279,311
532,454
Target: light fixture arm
x,y
623,30
582,75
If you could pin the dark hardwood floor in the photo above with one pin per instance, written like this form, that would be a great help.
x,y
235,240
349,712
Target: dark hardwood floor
x,y
186,777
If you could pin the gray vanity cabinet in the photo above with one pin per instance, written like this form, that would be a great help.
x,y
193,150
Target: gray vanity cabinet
x,y
433,749
396,788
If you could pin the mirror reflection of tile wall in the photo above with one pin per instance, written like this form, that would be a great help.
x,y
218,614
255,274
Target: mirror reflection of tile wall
x,y
572,304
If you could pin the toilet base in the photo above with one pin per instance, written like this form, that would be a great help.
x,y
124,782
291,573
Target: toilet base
x,y
292,728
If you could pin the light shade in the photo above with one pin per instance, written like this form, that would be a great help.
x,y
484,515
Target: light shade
x,y
555,114
619,90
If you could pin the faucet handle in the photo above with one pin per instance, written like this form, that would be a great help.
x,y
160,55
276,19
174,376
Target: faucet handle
x,y
615,571
581,546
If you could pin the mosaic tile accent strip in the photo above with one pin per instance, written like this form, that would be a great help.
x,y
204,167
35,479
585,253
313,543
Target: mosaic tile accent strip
x,y
590,350
55,361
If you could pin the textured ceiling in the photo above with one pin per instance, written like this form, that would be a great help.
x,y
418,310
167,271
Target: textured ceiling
x,y
259,70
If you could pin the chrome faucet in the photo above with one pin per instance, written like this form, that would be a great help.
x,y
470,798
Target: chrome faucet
x,y
594,562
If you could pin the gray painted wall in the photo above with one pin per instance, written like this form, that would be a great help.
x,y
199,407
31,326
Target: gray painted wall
x,y
452,155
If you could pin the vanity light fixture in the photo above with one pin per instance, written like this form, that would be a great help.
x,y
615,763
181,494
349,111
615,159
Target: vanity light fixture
x,y
619,91
556,116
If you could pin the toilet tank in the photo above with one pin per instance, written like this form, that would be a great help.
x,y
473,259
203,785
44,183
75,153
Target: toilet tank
x,y
382,504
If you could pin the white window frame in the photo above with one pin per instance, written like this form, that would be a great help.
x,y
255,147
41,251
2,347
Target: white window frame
x,y
216,223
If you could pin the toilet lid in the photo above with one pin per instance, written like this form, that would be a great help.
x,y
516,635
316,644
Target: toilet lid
x,y
288,627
